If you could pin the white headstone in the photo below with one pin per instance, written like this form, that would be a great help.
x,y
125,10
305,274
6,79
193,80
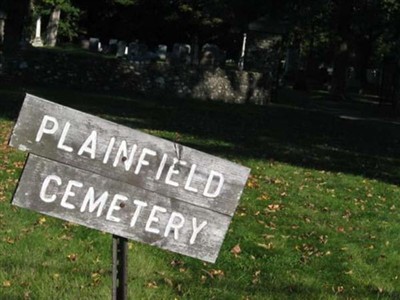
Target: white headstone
x,y
133,49
94,44
113,46
37,42
3,17
162,51
211,54
121,47
181,52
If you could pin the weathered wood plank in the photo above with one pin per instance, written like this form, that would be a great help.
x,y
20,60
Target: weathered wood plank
x,y
121,153
119,208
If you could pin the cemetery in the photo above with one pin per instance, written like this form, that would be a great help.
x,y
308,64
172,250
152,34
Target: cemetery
x,y
132,76
199,149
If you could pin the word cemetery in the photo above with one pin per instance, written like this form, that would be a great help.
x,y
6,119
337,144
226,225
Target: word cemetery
x,y
109,177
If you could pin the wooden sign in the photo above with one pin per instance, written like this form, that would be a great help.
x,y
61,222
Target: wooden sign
x,y
112,178
121,153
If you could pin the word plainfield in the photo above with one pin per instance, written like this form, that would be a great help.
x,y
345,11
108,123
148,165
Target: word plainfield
x,y
119,154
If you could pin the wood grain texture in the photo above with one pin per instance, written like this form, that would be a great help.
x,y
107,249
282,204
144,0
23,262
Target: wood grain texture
x,y
81,125
31,191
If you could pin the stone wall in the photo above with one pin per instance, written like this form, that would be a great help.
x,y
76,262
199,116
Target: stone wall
x,y
95,71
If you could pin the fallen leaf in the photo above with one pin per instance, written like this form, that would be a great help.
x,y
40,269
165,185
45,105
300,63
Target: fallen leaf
x,y
203,278
214,273
217,273
268,236
236,250
256,277
152,285
169,282
263,197
340,229
268,246
72,257
9,240
177,263
7,283
274,207
41,221
66,237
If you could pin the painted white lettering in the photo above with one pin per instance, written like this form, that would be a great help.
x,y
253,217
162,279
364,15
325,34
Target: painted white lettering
x,y
123,151
69,193
208,185
108,152
45,185
140,205
115,206
93,204
161,167
153,219
61,141
190,179
196,230
44,129
89,145
173,171
142,161
175,226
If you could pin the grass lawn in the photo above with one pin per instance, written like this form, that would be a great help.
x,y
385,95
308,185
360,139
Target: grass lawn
x,y
319,218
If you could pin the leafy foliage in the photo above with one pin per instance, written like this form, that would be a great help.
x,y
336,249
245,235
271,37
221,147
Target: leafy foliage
x,y
69,16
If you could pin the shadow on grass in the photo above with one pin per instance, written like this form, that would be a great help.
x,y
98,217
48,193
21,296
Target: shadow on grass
x,y
350,138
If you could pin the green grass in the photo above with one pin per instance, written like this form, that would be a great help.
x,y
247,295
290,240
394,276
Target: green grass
x,y
319,218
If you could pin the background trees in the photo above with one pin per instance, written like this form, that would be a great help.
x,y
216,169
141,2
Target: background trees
x,y
340,33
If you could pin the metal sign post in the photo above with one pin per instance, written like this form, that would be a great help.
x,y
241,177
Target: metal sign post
x,y
120,270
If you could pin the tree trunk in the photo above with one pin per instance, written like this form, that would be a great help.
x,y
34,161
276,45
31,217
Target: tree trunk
x,y
341,19
17,13
363,55
339,76
52,27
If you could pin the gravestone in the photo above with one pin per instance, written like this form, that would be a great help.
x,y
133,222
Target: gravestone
x,y
37,41
211,55
85,44
94,44
133,49
3,17
162,52
181,53
113,46
122,49
143,50
139,52
292,62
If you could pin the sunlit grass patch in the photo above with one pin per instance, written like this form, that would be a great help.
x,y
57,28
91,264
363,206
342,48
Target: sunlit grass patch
x,y
318,219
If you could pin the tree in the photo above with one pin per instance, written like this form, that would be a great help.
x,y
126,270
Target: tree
x,y
66,27
17,16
